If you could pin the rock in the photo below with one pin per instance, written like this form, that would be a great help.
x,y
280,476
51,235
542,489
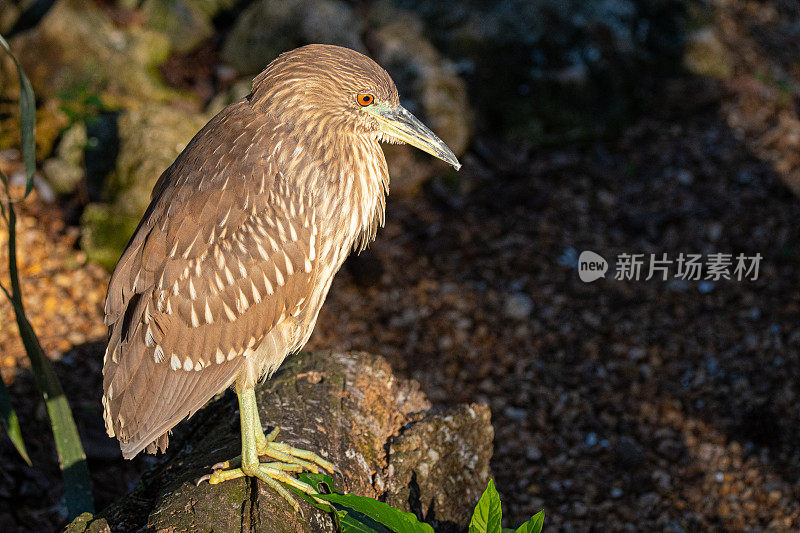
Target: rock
x,y
629,453
706,55
65,171
518,306
50,117
87,523
441,455
186,23
268,27
76,48
549,71
237,91
9,13
212,8
757,61
104,234
378,430
180,20
51,121
150,138
430,88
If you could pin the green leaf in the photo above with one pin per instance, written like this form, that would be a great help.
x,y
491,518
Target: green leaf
x,y
349,521
345,523
392,518
27,112
315,479
487,515
534,525
11,423
71,457
352,516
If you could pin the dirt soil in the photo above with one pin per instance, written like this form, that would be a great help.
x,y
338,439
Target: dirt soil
x,y
618,405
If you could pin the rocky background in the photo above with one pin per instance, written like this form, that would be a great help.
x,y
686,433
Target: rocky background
x,y
379,430
637,126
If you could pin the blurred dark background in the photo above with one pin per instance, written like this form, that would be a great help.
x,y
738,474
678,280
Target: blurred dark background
x,y
618,126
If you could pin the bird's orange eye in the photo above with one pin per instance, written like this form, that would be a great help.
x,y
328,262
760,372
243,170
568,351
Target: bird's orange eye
x,y
365,99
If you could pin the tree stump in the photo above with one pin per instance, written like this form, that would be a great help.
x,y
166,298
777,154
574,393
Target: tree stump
x,y
379,431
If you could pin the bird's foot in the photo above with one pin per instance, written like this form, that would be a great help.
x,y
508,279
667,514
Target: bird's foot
x,y
289,459
266,446
271,473
287,455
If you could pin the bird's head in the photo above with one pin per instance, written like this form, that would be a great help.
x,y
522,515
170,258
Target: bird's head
x,y
333,90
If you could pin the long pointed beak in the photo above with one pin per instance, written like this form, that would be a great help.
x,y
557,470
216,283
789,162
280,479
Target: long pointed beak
x,y
400,124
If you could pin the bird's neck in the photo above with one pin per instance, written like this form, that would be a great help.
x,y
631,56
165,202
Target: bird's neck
x,y
350,181
366,185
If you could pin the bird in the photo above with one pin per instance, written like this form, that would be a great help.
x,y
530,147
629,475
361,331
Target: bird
x,y
226,273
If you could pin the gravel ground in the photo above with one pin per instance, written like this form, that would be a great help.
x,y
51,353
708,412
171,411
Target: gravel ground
x,y
618,405
621,405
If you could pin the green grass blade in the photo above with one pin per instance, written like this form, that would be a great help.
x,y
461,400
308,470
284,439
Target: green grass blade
x,y
27,110
11,423
71,457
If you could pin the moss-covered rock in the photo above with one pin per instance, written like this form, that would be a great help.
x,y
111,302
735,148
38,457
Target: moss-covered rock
x,y
87,523
76,47
9,13
105,233
66,170
186,23
376,428
150,138
706,55
75,54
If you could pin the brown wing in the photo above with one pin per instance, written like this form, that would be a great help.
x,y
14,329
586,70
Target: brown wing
x,y
216,263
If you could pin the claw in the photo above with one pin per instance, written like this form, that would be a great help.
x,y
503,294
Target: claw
x,y
224,465
257,444
202,478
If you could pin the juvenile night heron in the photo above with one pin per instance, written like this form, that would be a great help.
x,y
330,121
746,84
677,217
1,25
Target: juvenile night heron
x,y
230,265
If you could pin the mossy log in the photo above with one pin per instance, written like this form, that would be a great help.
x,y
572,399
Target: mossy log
x,y
379,430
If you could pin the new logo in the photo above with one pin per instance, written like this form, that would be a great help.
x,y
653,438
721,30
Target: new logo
x,y
591,266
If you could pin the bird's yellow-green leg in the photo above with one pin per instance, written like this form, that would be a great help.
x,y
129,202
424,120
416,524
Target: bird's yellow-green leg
x,y
253,443
266,446
287,455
